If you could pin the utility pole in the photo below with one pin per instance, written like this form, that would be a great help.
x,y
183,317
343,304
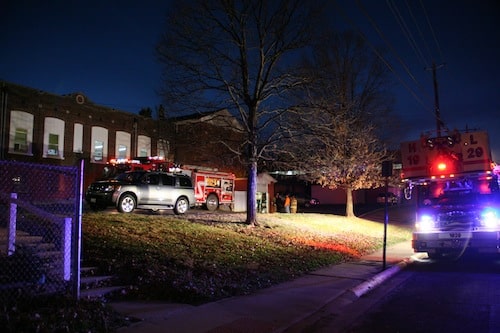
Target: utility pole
x,y
439,122
386,172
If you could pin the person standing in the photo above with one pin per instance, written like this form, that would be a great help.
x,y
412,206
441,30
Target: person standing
x,y
278,202
286,204
293,204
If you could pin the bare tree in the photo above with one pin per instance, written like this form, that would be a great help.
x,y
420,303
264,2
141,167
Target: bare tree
x,y
337,141
242,56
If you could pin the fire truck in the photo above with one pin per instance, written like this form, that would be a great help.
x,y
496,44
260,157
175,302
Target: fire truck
x,y
99,193
150,163
454,185
212,188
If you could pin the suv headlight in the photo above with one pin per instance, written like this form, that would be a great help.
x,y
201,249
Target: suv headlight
x,y
109,188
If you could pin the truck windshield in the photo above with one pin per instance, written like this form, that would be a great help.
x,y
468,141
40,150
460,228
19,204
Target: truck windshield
x,y
457,192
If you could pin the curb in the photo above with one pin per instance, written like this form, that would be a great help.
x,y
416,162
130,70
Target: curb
x,y
378,279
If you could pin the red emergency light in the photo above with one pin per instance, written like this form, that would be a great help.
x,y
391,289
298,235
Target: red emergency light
x,y
444,165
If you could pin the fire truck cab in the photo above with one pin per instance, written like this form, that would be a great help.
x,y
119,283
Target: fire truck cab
x,y
454,185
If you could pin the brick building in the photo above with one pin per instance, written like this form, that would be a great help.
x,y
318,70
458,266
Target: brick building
x,y
209,139
41,127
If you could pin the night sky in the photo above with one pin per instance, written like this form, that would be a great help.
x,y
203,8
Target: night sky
x,y
105,50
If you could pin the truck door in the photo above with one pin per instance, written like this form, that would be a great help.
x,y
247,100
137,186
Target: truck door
x,y
199,188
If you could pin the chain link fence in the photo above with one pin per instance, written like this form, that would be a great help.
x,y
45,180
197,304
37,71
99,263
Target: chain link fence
x,y
40,218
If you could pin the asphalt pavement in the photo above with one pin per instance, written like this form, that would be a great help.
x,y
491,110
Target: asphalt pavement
x,y
294,306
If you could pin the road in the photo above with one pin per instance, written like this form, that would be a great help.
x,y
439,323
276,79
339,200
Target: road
x,y
429,296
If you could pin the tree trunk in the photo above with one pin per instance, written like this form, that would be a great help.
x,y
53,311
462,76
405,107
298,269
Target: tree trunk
x,y
252,194
349,207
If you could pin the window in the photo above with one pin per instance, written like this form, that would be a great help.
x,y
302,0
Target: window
x,y
163,148
99,147
53,149
122,144
21,140
153,179
143,146
20,132
53,137
122,151
78,139
98,150
212,182
185,182
168,180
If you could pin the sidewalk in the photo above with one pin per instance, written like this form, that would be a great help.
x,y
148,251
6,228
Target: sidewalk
x,y
276,309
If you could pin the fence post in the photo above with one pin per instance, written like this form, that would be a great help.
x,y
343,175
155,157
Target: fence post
x,y
67,248
11,244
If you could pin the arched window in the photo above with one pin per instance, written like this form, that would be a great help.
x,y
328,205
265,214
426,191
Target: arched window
x,y
99,148
21,132
53,138
123,140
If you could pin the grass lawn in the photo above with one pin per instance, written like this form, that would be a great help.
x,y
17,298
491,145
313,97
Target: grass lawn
x,y
208,256
197,258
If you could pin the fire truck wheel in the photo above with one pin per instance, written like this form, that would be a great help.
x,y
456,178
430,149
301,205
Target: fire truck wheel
x,y
126,204
181,206
212,202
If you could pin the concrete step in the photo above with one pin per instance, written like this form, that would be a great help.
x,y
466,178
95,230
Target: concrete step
x,y
100,292
95,280
50,255
93,285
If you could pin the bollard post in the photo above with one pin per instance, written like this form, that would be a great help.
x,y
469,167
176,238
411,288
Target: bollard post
x,y
11,243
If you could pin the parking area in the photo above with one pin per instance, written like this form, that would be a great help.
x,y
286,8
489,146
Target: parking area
x,y
320,209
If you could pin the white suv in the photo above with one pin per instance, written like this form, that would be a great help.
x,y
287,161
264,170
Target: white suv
x,y
155,191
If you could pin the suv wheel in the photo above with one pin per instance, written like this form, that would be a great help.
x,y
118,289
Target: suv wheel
x,y
127,204
181,206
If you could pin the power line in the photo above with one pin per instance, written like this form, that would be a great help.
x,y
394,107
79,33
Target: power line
x,y
420,33
375,26
381,34
346,17
432,30
406,31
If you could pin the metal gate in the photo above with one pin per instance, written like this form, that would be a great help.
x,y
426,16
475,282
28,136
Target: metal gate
x,y
40,227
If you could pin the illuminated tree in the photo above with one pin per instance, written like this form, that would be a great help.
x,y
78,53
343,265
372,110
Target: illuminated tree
x,y
337,138
241,56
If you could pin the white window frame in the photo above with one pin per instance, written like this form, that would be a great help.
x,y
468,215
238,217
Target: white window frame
x,y
53,126
163,148
123,140
143,146
20,120
99,148
78,138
